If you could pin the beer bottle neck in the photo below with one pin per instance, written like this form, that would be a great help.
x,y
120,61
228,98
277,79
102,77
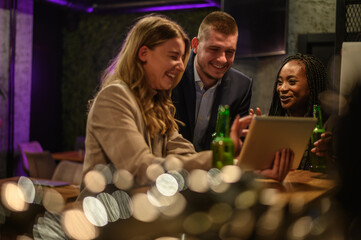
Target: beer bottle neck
x,y
317,113
222,127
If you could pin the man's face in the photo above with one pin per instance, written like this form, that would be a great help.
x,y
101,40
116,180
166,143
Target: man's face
x,y
215,54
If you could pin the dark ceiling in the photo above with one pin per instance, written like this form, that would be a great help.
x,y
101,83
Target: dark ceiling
x,y
133,5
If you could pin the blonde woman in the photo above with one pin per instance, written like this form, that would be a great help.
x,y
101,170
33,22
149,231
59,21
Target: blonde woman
x,y
131,120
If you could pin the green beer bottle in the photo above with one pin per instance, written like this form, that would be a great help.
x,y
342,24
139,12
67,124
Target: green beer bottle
x,y
222,145
318,164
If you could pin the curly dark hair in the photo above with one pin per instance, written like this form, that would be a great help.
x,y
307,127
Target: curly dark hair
x,y
317,81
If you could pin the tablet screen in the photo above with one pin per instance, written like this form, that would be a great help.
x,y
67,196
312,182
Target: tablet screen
x,y
269,134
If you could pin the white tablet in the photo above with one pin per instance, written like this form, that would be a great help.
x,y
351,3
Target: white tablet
x,y
269,134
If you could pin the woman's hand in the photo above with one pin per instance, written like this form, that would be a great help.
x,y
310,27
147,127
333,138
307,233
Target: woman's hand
x,y
258,112
239,130
282,164
323,146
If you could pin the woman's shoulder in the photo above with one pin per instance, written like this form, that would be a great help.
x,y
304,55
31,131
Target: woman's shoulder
x,y
117,85
116,92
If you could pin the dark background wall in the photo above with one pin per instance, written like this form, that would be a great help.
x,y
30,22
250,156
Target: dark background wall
x,y
46,105
71,49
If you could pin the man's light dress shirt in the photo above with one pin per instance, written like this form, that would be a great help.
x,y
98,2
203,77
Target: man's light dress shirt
x,y
204,102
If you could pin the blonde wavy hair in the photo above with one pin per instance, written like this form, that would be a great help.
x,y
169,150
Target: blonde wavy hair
x,y
151,30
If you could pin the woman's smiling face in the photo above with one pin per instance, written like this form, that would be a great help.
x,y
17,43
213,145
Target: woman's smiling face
x,y
293,89
163,63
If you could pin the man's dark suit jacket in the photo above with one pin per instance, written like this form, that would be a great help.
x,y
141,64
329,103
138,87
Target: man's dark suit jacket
x,y
235,91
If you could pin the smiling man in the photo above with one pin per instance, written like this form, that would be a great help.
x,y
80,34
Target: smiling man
x,y
209,81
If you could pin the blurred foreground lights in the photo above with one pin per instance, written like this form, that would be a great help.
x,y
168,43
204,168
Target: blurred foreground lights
x,y
166,238
110,205
23,237
325,205
320,225
180,179
143,209
215,180
173,164
48,227
198,181
77,226
246,199
95,211
169,206
297,203
53,201
197,223
300,229
240,226
176,207
153,171
231,173
220,212
124,203
27,186
269,196
269,222
13,197
95,181
123,179
167,184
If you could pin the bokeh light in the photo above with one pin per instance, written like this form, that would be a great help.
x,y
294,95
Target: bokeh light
x,y
110,205
77,226
143,210
220,212
246,199
179,178
53,201
240,226
123,179
269,222
300,229
231,173
197,223
177,206
13,197
27,187
95,181
167,184
106,171
154,171
95,211
198,181
296,203
173,164
124,203
49,227
269,196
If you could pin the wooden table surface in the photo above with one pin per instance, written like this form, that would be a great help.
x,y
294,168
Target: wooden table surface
x,y
301,183
76,156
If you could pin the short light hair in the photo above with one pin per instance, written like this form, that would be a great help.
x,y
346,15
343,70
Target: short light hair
x,y
218,21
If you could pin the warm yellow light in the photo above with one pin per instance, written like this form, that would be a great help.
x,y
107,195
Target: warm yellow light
x,y
13,197
143,210
53,201
123,179
77,226
95,181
